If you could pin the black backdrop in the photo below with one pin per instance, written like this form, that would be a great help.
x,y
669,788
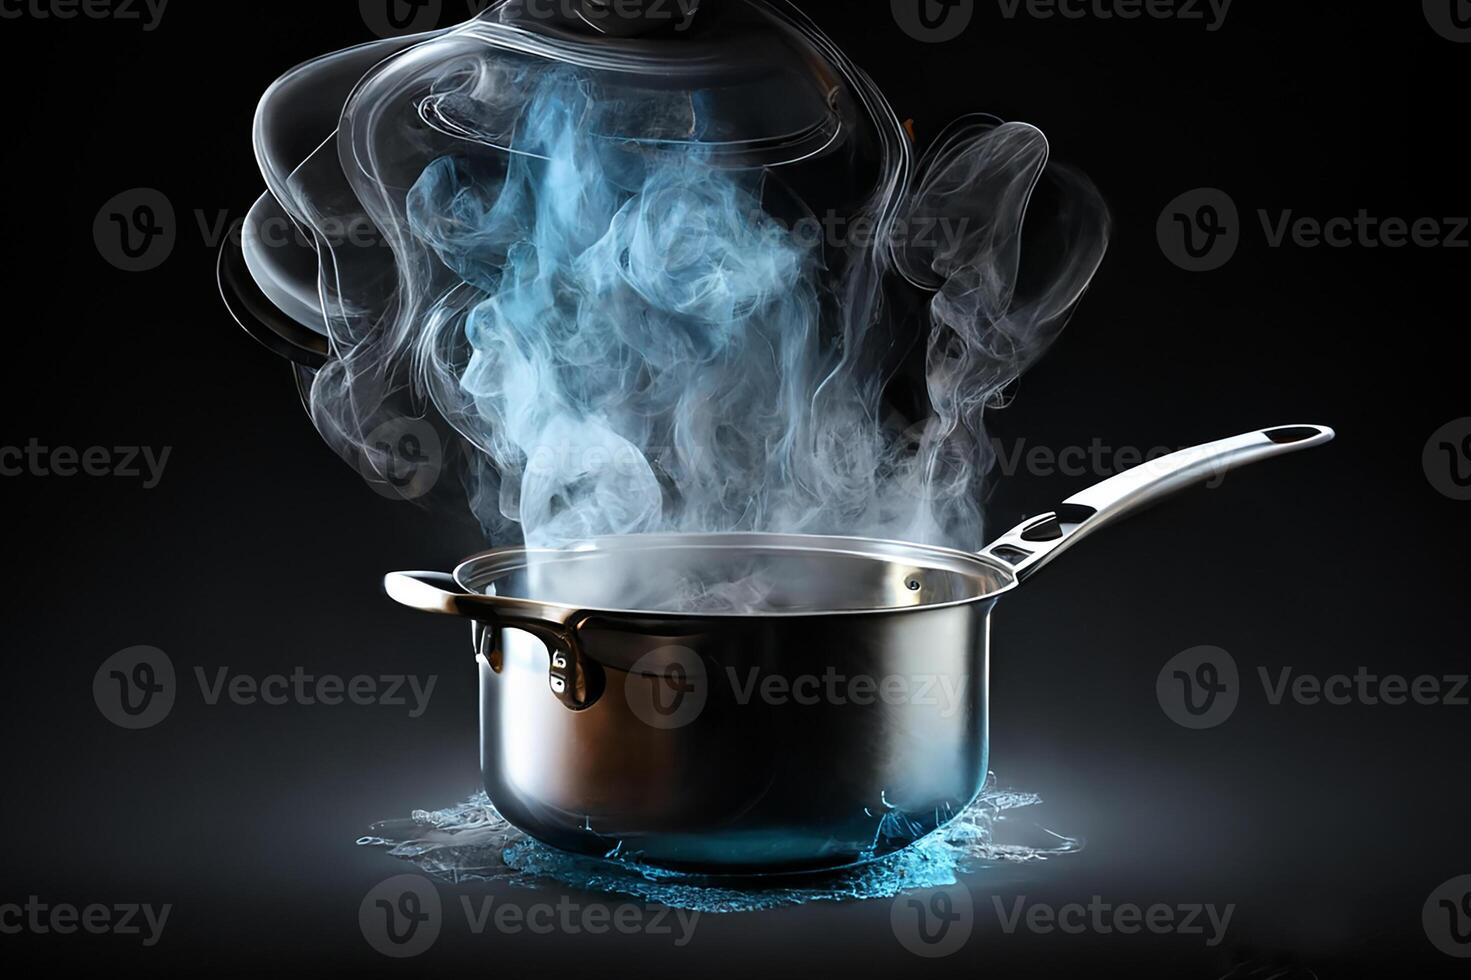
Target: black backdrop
x,y
1327,827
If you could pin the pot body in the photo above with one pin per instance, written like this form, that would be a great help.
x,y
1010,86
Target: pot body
x,y
743,745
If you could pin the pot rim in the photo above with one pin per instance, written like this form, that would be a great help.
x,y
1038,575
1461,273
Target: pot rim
x,y
478,572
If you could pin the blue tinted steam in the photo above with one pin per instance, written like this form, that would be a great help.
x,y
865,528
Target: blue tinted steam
x,y
642,354
645,348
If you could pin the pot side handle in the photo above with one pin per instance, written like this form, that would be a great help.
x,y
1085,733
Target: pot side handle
x,y
576,679
1038,540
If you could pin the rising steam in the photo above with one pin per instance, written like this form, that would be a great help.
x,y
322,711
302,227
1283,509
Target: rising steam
x,y
633,335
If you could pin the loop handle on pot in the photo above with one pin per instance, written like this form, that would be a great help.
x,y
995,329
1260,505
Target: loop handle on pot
x,y
574,678
1038,540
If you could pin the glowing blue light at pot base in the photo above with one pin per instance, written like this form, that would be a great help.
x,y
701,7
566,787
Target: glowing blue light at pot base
x,y
472,842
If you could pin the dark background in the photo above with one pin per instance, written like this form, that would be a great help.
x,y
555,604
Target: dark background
x,y
1328,827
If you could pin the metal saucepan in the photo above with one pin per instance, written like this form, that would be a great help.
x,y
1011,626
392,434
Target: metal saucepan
x,y
844,720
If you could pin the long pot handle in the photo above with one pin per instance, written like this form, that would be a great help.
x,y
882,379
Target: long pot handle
x,y
1038,540
574,678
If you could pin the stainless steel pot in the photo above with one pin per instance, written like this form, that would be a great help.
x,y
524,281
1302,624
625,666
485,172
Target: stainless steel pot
x,y
843,721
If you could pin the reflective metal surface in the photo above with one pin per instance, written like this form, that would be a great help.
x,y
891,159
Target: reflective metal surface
x,y
743,744
758,703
